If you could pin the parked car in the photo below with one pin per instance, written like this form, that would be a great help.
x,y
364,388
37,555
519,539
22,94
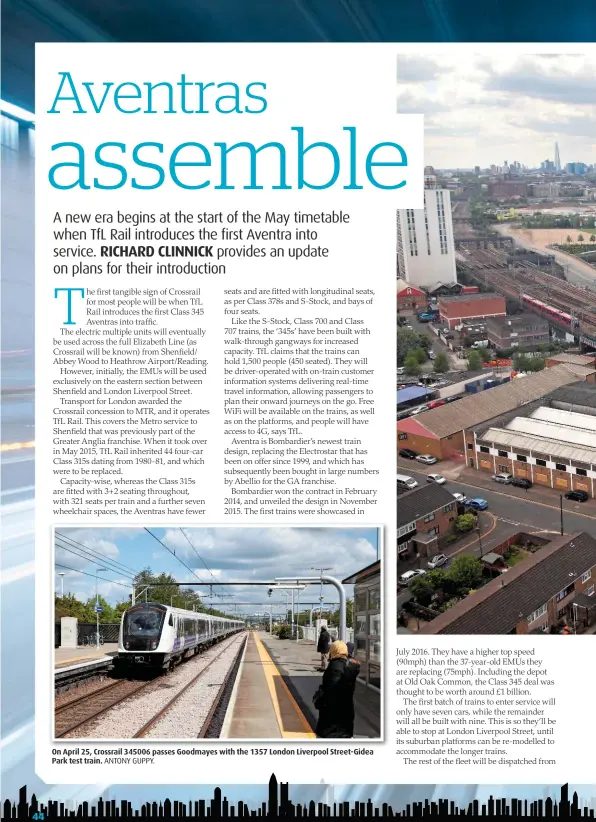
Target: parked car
x,y
408,453
521,482
406,578
577,496
437,561
401,370
419,410
454,399
435,404
478,504
436,478
427,459
461,498
432,355
504,478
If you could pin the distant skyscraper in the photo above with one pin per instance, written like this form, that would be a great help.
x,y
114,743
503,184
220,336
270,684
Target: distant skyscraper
x,y
425,247
557,158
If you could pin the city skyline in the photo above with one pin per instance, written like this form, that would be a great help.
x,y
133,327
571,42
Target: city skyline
x,y
483,109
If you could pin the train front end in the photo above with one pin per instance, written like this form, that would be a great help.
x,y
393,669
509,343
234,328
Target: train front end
x,y
144,636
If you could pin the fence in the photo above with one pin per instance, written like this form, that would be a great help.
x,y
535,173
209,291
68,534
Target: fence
x,y
109,631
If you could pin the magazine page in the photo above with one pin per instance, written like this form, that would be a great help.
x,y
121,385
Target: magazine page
x,y
370,598
216,339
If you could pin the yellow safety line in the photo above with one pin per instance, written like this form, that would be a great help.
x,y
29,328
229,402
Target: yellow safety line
x,y
270,670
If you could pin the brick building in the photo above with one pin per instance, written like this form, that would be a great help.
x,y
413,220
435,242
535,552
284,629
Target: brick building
x,y
444,432
507,190
533,596
453,310
518,331
551,442
409,298
423,516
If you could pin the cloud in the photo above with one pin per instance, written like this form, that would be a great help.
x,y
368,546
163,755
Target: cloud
x,y
409,102
416,69
550,81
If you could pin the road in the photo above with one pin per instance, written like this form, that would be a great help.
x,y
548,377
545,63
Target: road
x,y
513,509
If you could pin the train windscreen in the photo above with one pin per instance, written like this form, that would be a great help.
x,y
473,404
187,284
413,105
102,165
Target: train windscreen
x,y
142,628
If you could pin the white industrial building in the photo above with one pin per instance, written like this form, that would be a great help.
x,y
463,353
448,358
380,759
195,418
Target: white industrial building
x,y
425,247
551,446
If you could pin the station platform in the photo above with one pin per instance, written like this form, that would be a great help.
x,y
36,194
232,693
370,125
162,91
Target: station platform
x,y
63,657
272,698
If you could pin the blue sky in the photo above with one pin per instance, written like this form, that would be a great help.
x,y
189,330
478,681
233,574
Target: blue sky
x,y
212,555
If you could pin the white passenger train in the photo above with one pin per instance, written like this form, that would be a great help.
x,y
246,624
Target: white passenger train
x,y
156,636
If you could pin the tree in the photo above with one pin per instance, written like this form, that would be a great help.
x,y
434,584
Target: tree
x,y
536,363
420,355
422,590
465,523
441,363
486,355
593,238
408,340
568,239
466,572
412,365
436,578
521,362
474,361
580,238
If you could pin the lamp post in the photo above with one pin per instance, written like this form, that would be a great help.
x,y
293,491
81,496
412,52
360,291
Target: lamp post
x,y
561,509
61,575
97,570
479,535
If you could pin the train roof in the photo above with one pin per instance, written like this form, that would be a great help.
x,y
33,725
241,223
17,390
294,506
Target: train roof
x,y
183,612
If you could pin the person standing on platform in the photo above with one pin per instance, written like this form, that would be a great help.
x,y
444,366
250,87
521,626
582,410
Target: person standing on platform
x,y
323,646
335,698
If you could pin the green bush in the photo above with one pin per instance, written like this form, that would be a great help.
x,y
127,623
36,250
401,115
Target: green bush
x,y
465,523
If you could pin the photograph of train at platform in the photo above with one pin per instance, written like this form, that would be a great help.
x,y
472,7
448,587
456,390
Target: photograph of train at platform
x,y
218,633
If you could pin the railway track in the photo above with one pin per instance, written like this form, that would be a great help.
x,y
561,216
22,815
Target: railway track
x,y
76,712
230,678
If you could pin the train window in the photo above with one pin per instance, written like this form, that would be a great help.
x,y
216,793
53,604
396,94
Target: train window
x,y
171,621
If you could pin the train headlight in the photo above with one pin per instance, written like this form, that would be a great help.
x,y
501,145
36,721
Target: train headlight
x,y
127,645
153,644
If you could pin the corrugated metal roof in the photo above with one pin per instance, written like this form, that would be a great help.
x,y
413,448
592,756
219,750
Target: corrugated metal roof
x,y
479,408
542,445
554,431
412,392
561,417
573,359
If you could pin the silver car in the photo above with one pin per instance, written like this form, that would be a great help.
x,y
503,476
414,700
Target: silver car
x,y
427,459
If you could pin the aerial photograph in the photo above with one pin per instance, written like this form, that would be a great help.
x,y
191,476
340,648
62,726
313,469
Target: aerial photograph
x,y
217,633
496,348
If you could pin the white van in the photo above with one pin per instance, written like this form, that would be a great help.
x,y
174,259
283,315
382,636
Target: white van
x,y
406,482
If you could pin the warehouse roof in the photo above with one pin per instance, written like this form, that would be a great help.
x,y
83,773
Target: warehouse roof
x,y
542,445
478,408
573,419
412,392
421,501
554,431
572,359
503,602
